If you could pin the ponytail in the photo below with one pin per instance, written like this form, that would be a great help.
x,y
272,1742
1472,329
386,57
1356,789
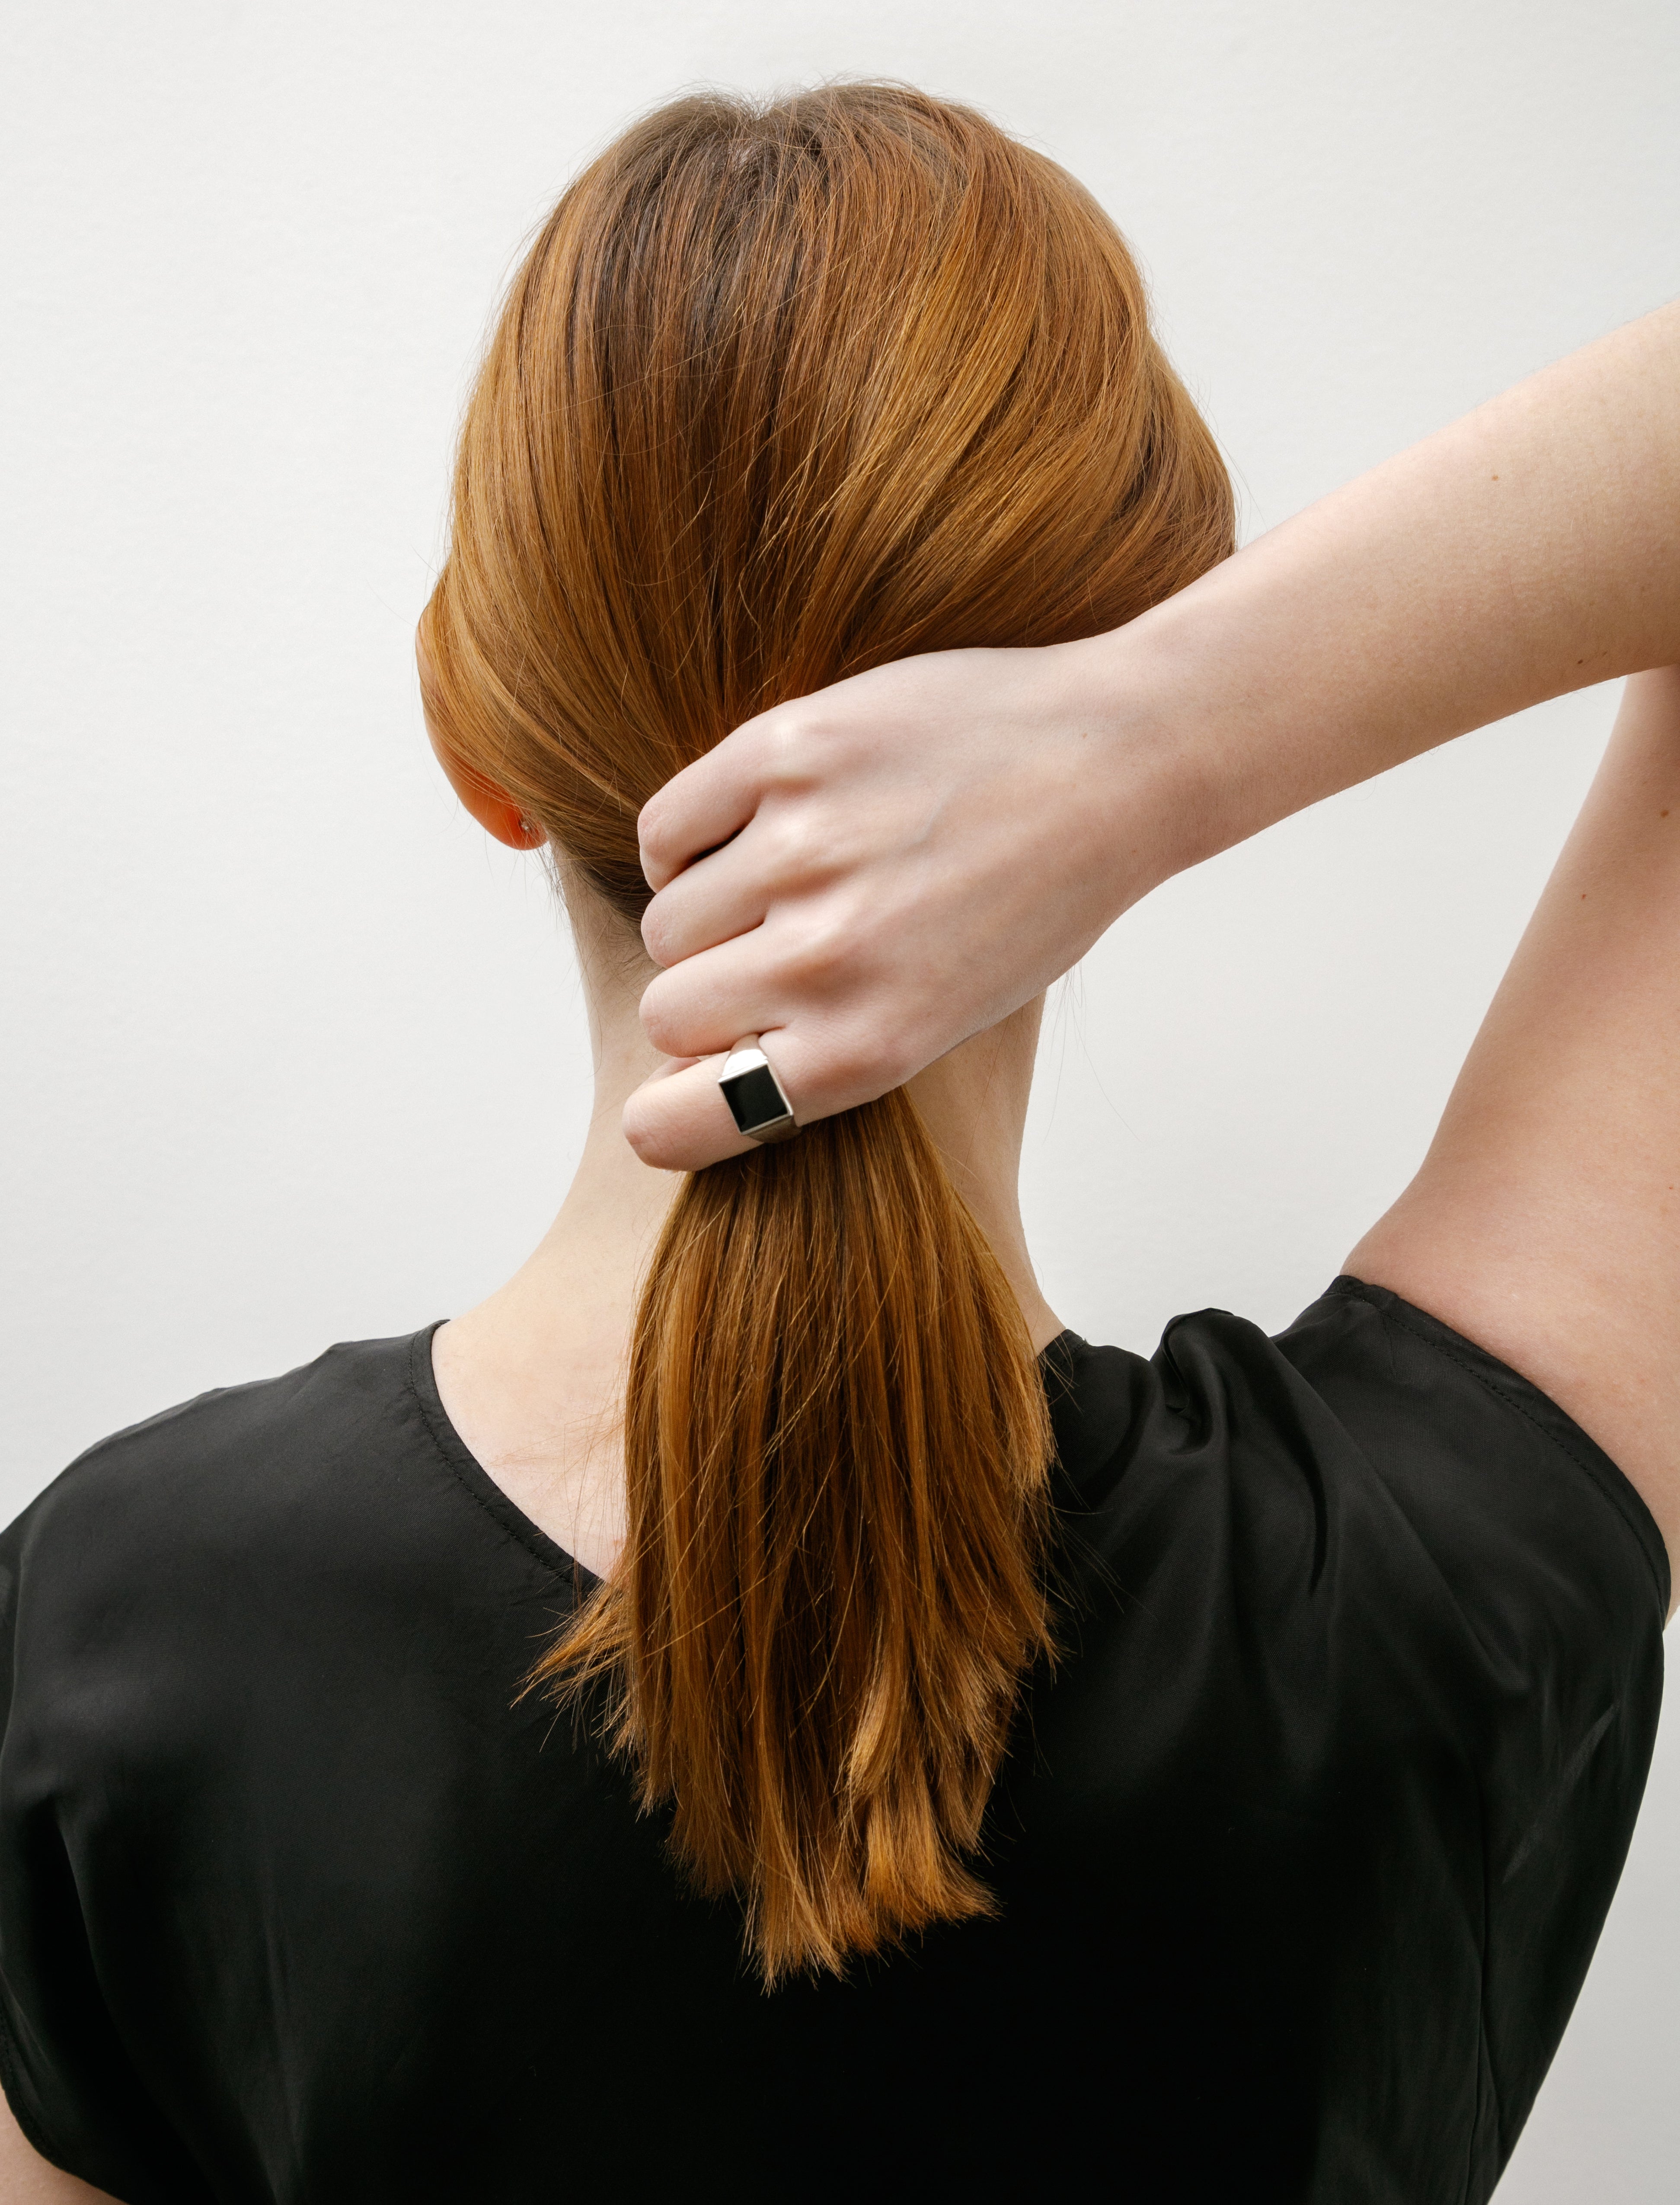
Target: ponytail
x,y
835,1447
782,392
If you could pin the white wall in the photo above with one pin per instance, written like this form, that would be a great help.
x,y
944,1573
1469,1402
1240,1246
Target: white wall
x,y
295,1055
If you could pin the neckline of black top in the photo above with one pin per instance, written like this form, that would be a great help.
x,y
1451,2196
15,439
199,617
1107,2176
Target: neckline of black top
x,y
1082,1384
1078,1448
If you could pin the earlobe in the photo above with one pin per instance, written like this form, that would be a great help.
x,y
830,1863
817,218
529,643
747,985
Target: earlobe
x,y
495,811
504,819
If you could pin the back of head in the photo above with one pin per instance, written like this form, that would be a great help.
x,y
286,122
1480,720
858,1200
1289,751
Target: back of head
x,y
782,392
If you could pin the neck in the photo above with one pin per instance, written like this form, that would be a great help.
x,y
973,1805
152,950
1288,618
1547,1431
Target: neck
x,y
533,1377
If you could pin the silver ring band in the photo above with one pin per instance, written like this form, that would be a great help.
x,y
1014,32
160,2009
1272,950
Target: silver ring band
x,y
757,1100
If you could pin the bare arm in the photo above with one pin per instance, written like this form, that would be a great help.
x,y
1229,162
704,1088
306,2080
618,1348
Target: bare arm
x,y
26,2179
1545,1222
917,852
1530,549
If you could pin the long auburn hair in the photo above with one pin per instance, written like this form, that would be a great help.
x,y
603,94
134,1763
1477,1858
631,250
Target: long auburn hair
x,y
783,390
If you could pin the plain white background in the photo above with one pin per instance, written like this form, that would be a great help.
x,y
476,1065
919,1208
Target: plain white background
x,y
293,1054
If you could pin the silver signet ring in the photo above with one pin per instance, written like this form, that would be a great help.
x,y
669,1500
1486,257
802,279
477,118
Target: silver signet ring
x,y
757,1101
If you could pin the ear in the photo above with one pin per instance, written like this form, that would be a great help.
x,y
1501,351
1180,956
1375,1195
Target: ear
x,y
495,811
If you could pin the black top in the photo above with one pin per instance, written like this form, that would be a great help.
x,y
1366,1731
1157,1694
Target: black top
x,y
1301,1854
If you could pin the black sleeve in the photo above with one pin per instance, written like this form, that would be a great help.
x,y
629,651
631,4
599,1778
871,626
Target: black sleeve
x,y
69,2076
1560,1579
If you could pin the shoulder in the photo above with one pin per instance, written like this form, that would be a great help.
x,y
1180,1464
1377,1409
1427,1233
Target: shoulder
x,y
1464,1441
1367,1532
195,1619
228,1480
1367,1445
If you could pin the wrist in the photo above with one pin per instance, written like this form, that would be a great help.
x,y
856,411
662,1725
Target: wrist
x,y
1163,796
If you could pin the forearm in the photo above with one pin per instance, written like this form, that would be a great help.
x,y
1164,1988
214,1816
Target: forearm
x,y
877,871
1532,548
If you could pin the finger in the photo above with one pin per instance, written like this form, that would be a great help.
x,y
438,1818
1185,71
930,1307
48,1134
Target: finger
x,y
703,805
705,1003
724,894
679,1120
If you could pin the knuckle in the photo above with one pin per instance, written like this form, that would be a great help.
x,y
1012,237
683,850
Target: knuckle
x,y
665,832
661,1020
824,956
843,1076
795,846
873,1057
659,932
664,1031
653,821
644,1142
790,741
650,853
836,939
638,1131
650,1144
